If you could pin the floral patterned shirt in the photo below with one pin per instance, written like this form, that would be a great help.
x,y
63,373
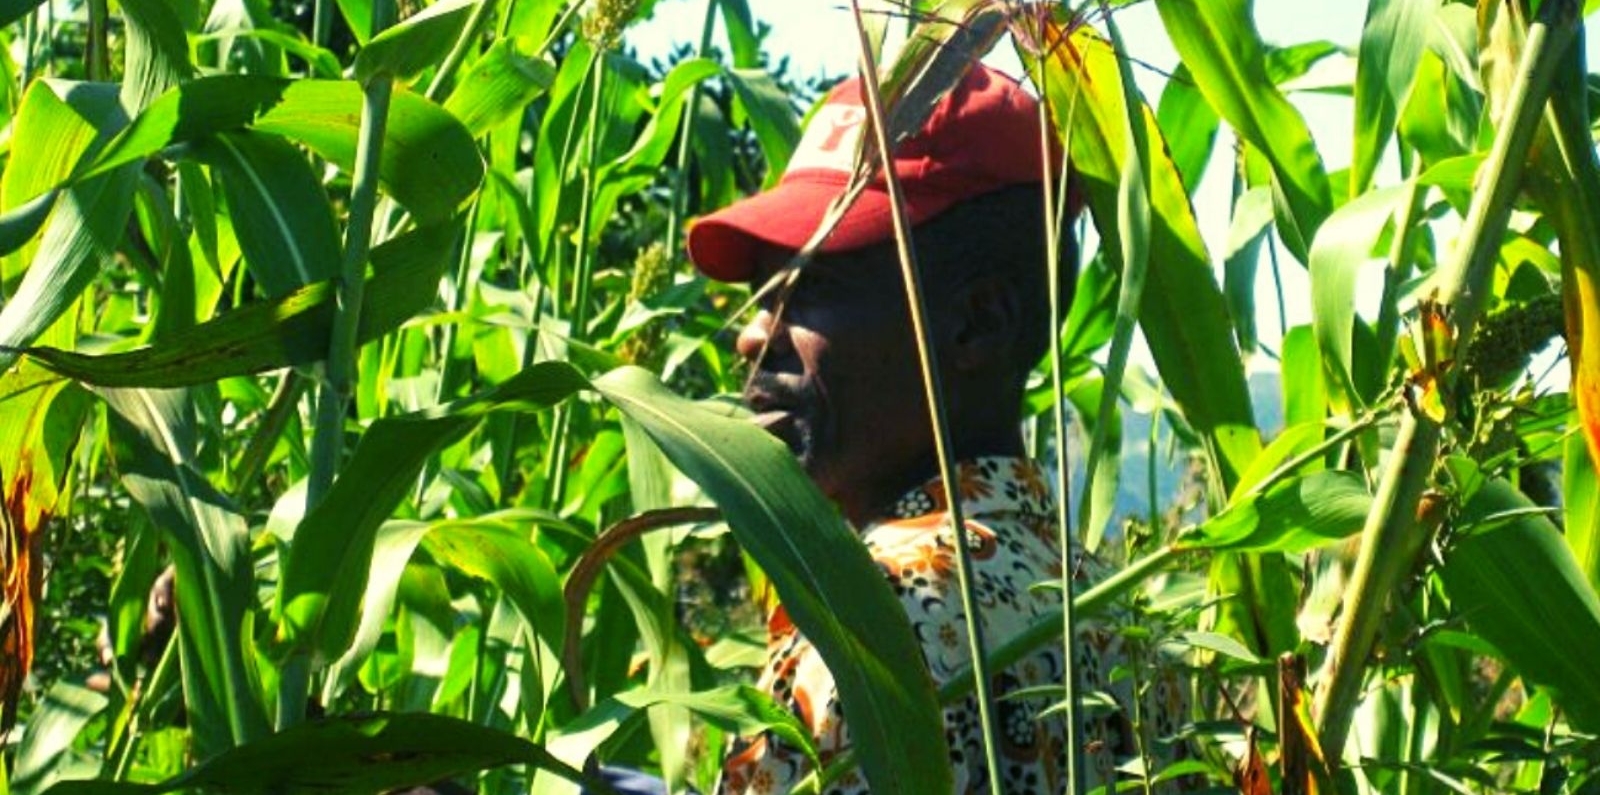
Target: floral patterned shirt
x,y
1014,542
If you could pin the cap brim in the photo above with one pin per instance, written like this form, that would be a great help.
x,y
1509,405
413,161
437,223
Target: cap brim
x,y
724,244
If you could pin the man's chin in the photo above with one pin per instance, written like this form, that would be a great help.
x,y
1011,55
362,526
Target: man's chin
x,y
786,427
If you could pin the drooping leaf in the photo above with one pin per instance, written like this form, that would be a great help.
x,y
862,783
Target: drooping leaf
x,y
1183,315
269,335
429,164
1133,228
1515,582
324,574
19,224
1189,126
504,80
740,709
346,755
405,50
209,544
1347,242
1217,40
767,109
1392,43
1297,514
844,607
157,56
85,227
279,211
63,713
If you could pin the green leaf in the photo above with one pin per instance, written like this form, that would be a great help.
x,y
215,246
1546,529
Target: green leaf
x,y
1580,496
157,55
504,80
1217,40
209,544
769,112
1344,245
19,224
13,10
405,50
1251,215
1305,394
346,756
324,574
844,607
1514,580
279,211
1133,228
269,335
46,745
740,709
430,163
188,113
87,224
1295,515
500,552
1392,43
1189,126
391,550
1182,313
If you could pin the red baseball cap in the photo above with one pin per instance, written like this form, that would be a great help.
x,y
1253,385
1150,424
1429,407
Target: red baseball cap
x,y
982,136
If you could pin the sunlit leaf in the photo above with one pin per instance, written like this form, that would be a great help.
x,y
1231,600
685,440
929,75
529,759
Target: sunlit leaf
x,y
1514,580
268,335
421,41
1183,315
1294,515
844,608
1218,41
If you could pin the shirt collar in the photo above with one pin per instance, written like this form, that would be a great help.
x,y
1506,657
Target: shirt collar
x,y
989,485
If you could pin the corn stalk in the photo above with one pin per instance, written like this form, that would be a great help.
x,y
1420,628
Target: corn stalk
x,y
1394,534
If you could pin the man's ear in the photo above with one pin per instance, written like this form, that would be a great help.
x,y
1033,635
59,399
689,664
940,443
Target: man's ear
x,y
988,318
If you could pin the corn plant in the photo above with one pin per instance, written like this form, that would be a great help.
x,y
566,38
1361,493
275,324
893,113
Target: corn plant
x,y
368,323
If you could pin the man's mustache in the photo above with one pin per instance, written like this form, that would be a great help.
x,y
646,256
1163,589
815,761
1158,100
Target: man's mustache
x,y
766,390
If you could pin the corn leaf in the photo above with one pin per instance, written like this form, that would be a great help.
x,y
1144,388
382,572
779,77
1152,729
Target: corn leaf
x,y
269,335
1218,41
1392,43
1294,515
280,213
1514,580
209,544
422,40
346,755
504,80
1182,313
844,607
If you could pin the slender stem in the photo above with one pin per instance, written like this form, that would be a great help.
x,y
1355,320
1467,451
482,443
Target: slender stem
x,y
680,178
582,269
144,691
450,369
340,372
97,60
328,441
936,402
321,21
1069,634
1391,538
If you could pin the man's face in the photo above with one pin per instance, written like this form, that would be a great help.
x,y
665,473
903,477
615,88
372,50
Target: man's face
x,y
835,376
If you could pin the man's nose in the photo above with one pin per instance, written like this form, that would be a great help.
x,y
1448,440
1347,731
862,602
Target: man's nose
x,y
765,334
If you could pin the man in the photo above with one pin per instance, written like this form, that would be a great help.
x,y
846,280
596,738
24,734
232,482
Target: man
x,y
836,376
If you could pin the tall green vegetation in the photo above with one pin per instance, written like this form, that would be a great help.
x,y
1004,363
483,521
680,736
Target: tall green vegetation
x,y
361,319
